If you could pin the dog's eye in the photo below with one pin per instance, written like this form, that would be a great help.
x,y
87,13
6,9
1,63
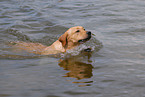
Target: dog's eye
x,y
78,31
84,29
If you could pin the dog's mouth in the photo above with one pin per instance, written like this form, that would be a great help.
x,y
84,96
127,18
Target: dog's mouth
x,y
84,40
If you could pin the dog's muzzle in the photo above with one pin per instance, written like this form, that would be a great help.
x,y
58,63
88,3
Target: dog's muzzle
x,y
86,39
89,33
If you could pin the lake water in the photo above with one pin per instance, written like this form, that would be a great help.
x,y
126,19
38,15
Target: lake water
x,y
114,68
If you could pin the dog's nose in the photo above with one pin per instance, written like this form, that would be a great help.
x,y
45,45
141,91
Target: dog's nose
x,y
89,33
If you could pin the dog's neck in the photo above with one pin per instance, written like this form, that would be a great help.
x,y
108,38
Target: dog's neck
x,y
71,45
57,45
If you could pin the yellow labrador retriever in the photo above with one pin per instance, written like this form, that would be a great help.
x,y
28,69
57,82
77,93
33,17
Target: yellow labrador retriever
x,y
70,39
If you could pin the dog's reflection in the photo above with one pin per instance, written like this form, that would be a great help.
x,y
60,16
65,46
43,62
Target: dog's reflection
x,y
76,68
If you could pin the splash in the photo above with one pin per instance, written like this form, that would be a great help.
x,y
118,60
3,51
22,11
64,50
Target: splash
x,y
93,44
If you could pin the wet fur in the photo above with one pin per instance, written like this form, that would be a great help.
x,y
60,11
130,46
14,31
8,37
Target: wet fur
x,y
68,40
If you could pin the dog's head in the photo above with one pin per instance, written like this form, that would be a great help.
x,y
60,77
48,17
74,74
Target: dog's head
x,y
75,36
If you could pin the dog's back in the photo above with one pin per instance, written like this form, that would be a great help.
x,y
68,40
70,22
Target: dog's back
x,y
36,48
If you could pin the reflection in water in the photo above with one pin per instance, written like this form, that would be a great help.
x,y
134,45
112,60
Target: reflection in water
x,y
77,69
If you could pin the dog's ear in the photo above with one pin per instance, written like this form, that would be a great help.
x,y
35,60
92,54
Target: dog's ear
x,y
63,39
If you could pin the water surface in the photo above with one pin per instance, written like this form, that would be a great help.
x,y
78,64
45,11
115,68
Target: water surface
x,y
115,70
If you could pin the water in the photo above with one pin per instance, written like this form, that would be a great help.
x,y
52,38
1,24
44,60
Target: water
x,y
115,70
